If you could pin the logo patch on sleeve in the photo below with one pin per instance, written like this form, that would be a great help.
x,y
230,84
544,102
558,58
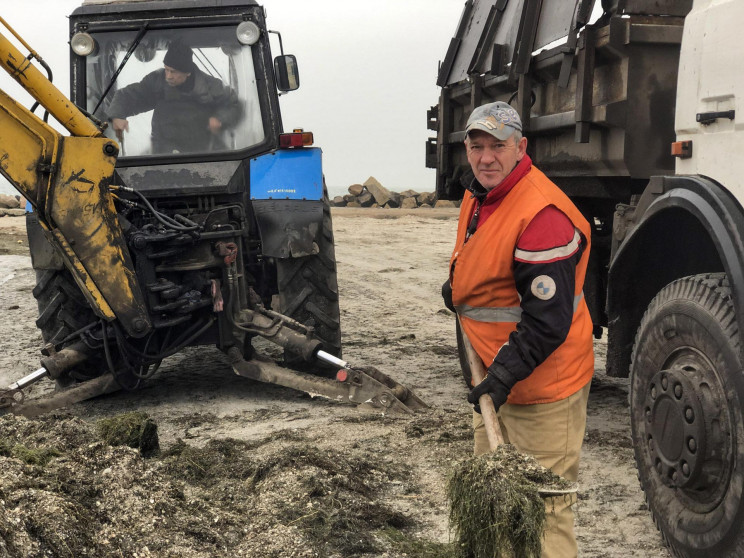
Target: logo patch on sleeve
x,y
543,287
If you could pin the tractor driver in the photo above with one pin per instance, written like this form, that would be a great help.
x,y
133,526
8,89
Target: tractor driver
x,y
190,108
516,280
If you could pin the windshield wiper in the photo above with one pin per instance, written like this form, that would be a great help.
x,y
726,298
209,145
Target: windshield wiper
x,y
133,46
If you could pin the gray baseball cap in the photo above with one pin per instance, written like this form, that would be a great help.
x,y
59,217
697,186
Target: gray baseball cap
x,y
498,119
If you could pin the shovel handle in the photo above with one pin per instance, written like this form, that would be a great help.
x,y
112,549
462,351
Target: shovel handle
x,y
488,412
120,139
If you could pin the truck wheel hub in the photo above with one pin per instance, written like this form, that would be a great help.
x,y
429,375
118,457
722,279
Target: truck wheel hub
x,y
675,428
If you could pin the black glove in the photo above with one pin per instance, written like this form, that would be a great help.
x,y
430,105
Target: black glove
x,y
447,295
494,387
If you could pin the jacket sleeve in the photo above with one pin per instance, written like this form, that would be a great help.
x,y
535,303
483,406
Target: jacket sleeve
x,y
137,97
545,281
229,108
224,99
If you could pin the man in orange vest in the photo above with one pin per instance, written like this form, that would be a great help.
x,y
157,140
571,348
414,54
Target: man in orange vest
x,y
516,280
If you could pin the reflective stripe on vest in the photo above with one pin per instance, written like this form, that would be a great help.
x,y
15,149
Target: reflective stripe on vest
x,y
500,314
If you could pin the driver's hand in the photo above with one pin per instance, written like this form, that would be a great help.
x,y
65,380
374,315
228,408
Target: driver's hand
x,y
215,125
120,124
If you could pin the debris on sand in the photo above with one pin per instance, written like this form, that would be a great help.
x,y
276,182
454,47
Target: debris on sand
x,y
496,509
135,430
280,496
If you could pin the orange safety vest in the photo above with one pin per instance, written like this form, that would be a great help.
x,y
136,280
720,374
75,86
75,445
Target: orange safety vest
x,y
486,297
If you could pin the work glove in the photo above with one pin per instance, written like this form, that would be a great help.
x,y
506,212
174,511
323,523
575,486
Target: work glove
x,y
494,387
447,295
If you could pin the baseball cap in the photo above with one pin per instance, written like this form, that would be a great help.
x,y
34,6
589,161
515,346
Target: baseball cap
x,y
498,119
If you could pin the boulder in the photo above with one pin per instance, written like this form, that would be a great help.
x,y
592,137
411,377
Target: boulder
x,y
408,203
409,194
339,201
427,198
394,199
8,202
348,198
353,204
381,194
356,189
365,199
445,203
424,206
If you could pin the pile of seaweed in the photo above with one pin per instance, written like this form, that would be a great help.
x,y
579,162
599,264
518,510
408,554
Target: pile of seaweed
x,y
71,488
495,505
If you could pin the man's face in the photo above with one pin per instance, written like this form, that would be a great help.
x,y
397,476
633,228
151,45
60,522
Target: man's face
x,y
493,159
175,77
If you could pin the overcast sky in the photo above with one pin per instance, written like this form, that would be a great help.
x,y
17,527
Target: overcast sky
x,y
367,77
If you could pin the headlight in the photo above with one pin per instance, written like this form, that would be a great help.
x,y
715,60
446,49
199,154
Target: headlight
x,y
248,33
82,44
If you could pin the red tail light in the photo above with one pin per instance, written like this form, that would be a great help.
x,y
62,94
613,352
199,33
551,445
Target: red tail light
x,y
297,138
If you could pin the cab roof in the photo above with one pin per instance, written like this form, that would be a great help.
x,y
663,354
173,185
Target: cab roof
x,y
108,6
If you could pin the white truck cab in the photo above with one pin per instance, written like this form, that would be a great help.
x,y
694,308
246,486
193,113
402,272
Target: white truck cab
x,y
710,86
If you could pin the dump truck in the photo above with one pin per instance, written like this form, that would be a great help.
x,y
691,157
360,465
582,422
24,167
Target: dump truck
x,y
630,107
152,228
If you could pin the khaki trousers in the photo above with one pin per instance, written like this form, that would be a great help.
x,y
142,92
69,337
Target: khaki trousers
x,y
553,434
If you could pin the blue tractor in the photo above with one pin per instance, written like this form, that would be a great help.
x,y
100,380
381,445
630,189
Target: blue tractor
x,y
212,227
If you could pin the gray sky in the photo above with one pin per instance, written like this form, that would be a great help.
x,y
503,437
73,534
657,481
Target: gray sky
x,y
367,77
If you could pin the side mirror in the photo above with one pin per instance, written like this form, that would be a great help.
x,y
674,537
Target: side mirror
x,y
286,72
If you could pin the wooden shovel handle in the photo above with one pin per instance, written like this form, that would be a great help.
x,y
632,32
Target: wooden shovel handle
x,y
488,412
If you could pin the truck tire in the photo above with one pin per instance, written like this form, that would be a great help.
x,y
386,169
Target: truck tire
x,y
308,292
62,311
686,390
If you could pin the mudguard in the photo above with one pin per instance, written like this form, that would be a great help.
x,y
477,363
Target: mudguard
x,y
683,225
286,190
288,174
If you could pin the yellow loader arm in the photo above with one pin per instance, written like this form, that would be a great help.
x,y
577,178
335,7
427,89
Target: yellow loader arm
x,y
66,179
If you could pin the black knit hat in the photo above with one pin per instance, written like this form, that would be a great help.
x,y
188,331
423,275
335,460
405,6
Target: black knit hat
x,y
179,57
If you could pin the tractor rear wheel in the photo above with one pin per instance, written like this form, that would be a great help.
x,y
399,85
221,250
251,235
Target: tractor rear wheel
x,y
308,291
62,311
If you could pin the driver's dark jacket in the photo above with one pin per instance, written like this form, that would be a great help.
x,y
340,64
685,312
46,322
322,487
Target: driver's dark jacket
x,y
180,114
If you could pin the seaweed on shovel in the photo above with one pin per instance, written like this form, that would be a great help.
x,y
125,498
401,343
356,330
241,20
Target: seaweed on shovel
x,y
496,500
496,503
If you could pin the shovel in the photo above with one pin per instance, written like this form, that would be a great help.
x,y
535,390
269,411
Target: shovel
x,y
488,412
120,139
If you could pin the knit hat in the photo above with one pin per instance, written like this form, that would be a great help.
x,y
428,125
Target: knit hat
x,y
179,57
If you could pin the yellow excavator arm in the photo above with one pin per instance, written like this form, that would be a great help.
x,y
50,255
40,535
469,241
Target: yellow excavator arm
x,y
67,179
